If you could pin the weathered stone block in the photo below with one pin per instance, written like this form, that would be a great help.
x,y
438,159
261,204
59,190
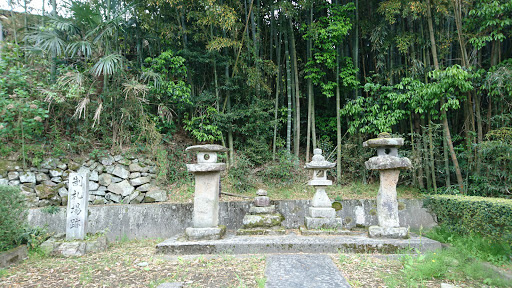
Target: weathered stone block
x,y
262,210
261,201
322,212
121,172
13,256
105,179
388,232
144,188
113,197
262,220
135,167
210,233
93,176
28,177
323,223
155,195
55,173
134,175
122,188
139,181
41,177
44,191
13,175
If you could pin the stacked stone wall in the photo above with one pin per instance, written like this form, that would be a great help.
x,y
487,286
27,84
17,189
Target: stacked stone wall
x,y
112,179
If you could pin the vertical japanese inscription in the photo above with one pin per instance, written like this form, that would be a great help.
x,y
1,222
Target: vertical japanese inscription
x,y
76,223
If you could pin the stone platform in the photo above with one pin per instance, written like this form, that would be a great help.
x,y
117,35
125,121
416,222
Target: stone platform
x,y
292,243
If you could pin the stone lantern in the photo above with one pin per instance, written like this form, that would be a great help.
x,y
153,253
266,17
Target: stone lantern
x,y
206,195
321,215
388,163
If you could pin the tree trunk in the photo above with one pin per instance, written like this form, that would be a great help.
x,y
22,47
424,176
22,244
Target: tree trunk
x,y
338,118
426,155
278,87
288,93
419,154
431,151
296,142
310,86
443,112
355,55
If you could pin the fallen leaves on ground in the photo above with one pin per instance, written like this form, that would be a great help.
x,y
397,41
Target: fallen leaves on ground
x,y
134,264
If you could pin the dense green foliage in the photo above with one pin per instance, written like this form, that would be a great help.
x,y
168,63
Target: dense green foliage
x,y
466,215
12,217
266,75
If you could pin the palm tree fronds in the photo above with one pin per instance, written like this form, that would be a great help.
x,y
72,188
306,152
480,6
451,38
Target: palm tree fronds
x,y
108,65
81,108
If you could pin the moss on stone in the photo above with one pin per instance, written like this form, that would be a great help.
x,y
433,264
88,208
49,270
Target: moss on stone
x,y
373,212
337,206
401,206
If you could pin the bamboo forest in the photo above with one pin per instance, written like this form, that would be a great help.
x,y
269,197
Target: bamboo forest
x,y
269,79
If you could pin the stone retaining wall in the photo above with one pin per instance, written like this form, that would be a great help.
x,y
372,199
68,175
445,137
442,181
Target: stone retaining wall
x,y
112,179
164,220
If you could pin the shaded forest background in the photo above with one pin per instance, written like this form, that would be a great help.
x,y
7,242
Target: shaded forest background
x,y
270,80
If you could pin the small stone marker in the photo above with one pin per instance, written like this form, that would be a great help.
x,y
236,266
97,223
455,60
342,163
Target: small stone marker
x,y
262,219
76,223
388,163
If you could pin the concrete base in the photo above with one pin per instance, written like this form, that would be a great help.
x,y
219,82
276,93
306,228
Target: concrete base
x,y
319,232
323,223
278,230
292,243
211,233
388,232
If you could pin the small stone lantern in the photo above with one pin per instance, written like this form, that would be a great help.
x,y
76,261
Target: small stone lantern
x,y
206,195
321,215
388,163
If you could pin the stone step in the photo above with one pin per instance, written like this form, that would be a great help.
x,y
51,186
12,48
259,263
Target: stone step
x,y
292,243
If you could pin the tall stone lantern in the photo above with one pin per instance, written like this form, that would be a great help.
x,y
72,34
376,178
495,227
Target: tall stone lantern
x,y
206,195
321,214
388,163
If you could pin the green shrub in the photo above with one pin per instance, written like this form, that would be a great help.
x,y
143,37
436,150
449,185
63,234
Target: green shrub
x,y
284,171
12,217
240,174
466,215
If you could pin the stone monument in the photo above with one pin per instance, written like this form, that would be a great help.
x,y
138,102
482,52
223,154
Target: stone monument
x,y
78,202
262,218
321,215
206,196
388,163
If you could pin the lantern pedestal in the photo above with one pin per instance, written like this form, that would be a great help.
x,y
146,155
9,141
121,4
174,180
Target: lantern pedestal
x,y
206,195
388,163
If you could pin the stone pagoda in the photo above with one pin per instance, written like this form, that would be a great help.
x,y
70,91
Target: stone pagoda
x,y
262,219
321,215
388,163
206,195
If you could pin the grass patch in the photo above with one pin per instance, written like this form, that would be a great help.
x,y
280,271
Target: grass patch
x,y
450,265
475,245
